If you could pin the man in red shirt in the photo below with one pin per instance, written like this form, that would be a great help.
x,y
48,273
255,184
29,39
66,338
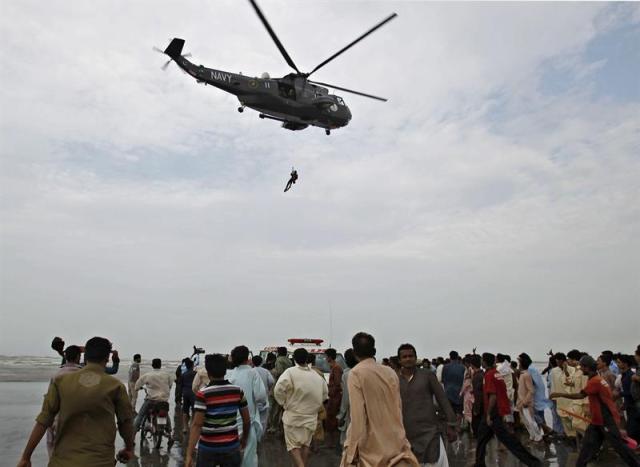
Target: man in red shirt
x,y
604,417
496,406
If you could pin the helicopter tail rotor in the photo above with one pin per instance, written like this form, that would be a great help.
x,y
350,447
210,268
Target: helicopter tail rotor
x,y
174,50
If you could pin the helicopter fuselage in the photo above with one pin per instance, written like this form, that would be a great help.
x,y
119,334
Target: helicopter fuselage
x,y
290,99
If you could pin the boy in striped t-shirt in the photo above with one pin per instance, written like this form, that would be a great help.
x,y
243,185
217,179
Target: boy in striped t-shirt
x,y
214,425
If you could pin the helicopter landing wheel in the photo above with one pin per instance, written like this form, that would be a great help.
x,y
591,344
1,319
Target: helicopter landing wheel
x,y
261,115
327,132
240,109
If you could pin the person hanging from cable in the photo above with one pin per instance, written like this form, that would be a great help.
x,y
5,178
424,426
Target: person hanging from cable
x,y
292,180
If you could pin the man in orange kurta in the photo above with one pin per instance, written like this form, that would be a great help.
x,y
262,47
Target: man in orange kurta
x,y
376,435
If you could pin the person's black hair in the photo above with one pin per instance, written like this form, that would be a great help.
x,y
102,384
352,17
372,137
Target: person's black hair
x,y
216,365
525,360
507,357
256,360
97,350
574,354
475,360
137,357
453,355
606,357
239,355
364,345
407,347
500,357
156,363
552,362
560,356
628,360
271,357
72,353
608,353
188,363
300,356
489,358
282,351
587,361
514,364
439,361
331,353
350,358
311,359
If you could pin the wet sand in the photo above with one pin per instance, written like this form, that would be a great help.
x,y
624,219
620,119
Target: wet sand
x,y
20,402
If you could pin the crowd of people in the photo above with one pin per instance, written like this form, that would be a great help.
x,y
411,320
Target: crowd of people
x,y
400,411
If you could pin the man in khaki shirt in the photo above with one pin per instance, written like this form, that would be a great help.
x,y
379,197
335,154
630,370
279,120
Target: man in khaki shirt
x,y
376,435
87,402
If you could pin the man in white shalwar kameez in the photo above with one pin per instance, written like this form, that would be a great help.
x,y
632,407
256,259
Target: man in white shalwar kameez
x,y
301,392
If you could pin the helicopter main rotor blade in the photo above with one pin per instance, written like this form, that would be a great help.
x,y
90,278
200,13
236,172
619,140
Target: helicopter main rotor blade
x,y
344,49
349,90
283,51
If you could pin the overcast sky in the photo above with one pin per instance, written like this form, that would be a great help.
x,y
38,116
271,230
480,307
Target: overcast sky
x,y
494,201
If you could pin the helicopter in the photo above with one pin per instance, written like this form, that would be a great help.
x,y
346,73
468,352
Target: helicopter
x,y
294,100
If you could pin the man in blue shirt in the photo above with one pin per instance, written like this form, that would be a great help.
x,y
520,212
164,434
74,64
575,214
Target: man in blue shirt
x,y
452,379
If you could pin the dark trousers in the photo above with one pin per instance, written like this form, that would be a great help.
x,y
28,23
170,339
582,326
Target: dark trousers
x,y
486,432
475,424
633,423
217,459
592,441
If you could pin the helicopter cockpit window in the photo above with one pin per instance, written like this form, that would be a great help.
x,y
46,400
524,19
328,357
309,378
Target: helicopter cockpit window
x,y
340,101
286,90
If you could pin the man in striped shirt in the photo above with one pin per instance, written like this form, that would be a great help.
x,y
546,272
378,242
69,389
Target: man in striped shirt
x,y
214,425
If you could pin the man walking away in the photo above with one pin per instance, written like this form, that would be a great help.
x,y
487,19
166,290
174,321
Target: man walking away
x,y
344,416
418,388
376,436
214,427
72,359
88,402
247,379
269,382
335,398
280,365
188,396
134,375
604,417
301,391
477,382
452,379
497,406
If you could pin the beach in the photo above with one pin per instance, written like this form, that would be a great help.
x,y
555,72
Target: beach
x,y
24,381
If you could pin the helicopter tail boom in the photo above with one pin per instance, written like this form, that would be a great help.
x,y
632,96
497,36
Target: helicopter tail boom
x,y
174,50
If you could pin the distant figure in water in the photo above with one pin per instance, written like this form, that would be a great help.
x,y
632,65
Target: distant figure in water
x,y
292,180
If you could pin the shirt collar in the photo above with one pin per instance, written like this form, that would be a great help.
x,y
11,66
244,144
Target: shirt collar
x,y
223,382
